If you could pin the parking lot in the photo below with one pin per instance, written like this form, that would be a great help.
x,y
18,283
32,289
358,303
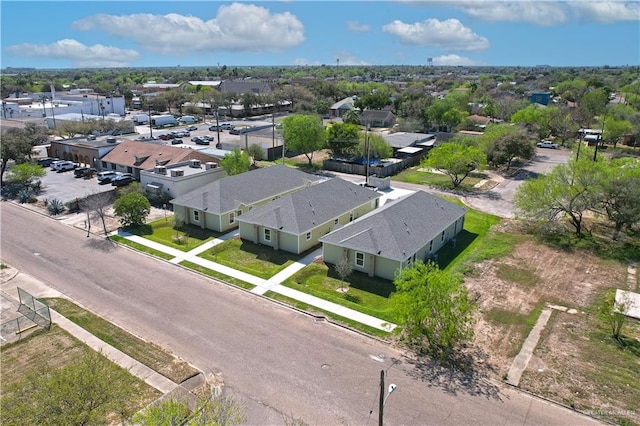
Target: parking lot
x,y
65,187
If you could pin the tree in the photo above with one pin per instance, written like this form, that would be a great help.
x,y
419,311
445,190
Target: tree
x,y
613,314
255,152
594,101
615,130
568,191
456,160
342,139
434,308
237,162
343,269
563,125
304,133
24,173
15,145
89,390
378,147
512,145
132,209
620,189
351,117
207,410
535,118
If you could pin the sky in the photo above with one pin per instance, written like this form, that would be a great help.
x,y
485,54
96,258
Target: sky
x,y
105,34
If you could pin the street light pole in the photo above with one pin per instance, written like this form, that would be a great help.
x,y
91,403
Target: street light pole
x,y
381,404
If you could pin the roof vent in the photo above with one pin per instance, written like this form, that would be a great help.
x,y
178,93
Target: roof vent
x,y
194,163
210,165
177,172
162,170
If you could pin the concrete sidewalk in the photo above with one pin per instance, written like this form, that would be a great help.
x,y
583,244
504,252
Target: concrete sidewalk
x,y
273,284
13,279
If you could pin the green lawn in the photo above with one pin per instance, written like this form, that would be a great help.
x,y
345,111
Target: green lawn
x,y
260,261
185,237
141,247
216,275
147,353
418,176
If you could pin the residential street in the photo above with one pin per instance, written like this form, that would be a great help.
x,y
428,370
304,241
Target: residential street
x,y
279,361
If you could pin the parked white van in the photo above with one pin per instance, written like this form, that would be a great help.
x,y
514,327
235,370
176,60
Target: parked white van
x,y
64,166
188,119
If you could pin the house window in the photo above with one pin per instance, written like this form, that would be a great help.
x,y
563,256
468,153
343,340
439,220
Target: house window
x,y
129,169
377,202
359,259
267,234
308,236
431,246
232,217
113,166
196,216
104,164
335,221
350,217
239,213
442,236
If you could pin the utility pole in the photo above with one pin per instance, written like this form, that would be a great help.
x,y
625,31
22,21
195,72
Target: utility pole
x,y
381,403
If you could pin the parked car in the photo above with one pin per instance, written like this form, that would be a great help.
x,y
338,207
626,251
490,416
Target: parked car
x,y
191,128
107,176
123,180
201,141
548,144
54,164
167,136
181,134
206,138
234,131
176,141
65,166
227,126
46,161
84,172
214,128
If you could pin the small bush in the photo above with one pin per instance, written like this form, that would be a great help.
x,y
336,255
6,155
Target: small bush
x,y
24,196
55,207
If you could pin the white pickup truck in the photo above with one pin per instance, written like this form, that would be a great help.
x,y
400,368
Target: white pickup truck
x,y
547,144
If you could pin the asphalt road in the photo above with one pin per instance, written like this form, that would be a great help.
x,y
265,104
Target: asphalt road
x,y
277,360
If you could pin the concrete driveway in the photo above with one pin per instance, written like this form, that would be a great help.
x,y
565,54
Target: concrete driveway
x,y
499,200
66,187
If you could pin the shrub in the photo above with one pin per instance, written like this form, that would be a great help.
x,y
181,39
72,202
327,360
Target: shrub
x,y
55,207
24,196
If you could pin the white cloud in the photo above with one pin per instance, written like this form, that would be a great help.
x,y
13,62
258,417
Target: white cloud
x,y
606,11
450,34
304,62
237,27
357,27
80,55
544,13
453,60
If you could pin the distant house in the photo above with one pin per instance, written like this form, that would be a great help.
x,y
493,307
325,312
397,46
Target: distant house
x,y
341,107
542,98
295,221
394,236
377,118
241,87
406,142
217,205
134,156
84,151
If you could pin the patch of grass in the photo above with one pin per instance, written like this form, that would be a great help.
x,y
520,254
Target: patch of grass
x,y
335,318
53,348
185,237
370,296
517,275
147,353
516,322
141,247
417,176
216,275
258,260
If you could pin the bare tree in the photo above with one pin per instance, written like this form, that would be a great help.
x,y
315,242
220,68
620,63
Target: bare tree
x,y
343,269
96,206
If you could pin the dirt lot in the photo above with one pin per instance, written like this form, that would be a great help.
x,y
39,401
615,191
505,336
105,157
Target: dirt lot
x,y
569,361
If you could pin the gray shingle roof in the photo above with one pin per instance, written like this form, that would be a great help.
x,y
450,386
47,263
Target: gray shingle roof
x,y
303,210
228,193
399,228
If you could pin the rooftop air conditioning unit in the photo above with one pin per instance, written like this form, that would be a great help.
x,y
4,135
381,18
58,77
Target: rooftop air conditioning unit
x,y
177,172
162,170
111,140
210,165
194,163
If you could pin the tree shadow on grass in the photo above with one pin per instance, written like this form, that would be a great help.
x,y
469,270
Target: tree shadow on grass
x,y
449,252
362,281
466,372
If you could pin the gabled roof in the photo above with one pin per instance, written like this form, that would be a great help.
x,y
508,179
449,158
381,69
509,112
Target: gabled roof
x,y
303,210
241,87
145,155
227,194
346,103
375,115
404,139
398,229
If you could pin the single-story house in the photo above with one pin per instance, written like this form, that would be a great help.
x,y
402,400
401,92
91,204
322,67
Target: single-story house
x,y
167,182
217,205
84,151
377,118
294,222
400,141
413,227
134,156
339,108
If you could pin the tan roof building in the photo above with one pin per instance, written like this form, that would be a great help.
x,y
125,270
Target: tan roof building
x,y
133,156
